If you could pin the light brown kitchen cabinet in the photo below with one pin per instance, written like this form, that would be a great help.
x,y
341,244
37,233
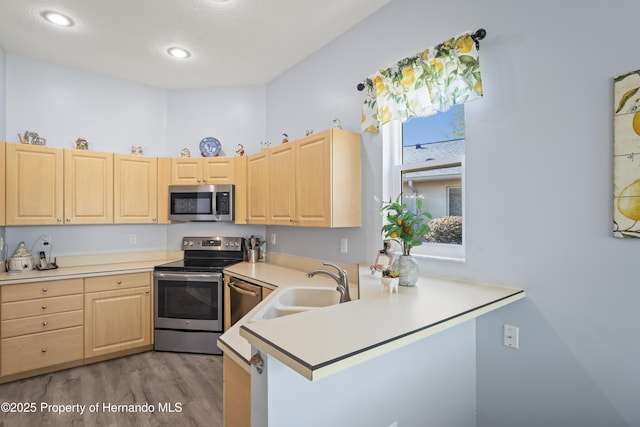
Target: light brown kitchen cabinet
x,y
282,184
164,180
236,390
135,182
315,181
241,190
42,326
34,185
46,186
2,178
203,171
117,315
88,187
258,188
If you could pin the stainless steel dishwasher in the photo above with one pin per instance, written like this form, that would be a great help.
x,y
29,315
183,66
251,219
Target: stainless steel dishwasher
x,y
244,296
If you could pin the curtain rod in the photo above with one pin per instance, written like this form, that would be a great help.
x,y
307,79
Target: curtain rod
x,y
477,36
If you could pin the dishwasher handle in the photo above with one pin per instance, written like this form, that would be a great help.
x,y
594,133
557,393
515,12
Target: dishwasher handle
x,y
242,291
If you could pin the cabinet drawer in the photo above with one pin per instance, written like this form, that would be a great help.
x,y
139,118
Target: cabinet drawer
x,y
41,290
36,351
48,322
37,307
117,281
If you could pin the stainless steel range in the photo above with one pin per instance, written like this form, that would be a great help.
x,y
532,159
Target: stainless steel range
x,y
189,295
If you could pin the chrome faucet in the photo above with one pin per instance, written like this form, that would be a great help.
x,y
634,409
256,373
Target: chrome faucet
x,y
341,279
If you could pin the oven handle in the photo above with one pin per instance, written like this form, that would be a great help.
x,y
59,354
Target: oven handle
x,y
187,276
233,286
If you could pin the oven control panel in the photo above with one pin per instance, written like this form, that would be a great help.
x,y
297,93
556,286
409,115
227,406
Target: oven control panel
x,y
217,243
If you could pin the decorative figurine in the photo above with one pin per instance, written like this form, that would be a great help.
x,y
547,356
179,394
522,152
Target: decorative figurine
x,y
32,138
240,150
265,145
82,144
337,123
309,132
285,138
185,152
136,150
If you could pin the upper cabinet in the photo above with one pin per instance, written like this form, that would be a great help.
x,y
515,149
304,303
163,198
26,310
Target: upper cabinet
x,y
203,171
34,191
312,182
88,187
135,181
2,178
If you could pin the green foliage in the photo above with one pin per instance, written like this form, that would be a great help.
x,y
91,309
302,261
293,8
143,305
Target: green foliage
x,y
390,273
404,225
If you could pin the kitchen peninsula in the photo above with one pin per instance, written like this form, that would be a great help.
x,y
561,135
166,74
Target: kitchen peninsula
x,y
349,349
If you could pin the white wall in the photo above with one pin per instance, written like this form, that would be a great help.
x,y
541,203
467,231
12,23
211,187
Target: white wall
x,y
428,383
538,193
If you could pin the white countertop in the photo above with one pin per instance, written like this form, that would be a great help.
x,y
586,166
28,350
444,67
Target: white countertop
x,y
322,341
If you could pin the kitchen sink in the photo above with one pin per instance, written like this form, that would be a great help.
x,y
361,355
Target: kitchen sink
x,y
295,300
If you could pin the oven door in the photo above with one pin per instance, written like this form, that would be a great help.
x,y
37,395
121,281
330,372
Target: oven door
x,y
188,301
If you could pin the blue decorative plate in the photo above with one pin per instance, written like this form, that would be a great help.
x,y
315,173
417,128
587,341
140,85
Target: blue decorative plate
x,y
210,147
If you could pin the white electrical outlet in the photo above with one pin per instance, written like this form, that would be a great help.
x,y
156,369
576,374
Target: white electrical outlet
x,y
273,238
133,239
344,245
1,246
512,336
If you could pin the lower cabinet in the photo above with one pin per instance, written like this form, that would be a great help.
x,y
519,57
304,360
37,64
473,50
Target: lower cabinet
x,y
119,319
56,324
42,325
237,394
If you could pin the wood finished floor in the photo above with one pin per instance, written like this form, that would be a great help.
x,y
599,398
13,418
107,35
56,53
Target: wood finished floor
x,y
192,381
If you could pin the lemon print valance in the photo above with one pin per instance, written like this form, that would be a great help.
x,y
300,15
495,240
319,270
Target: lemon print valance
x,y
421,85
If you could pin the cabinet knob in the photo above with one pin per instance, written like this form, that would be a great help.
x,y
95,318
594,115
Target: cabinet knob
x,y
45,323
119,282
44,289
44,307
146,292
59,219
68,219
44,350
154,219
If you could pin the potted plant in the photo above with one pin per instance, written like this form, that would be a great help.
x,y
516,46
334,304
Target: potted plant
x,y
390,279
407,228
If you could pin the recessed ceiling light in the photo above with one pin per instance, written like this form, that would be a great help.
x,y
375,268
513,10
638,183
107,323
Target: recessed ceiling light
x,y
178,52
57,18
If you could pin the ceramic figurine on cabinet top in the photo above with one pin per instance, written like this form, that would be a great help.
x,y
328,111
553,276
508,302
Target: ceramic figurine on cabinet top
x,y
82,144
240,150
185,152
285,138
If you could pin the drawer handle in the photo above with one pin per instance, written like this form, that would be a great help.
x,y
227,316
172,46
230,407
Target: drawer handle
x,y
44,307
44,350
119,282
45,323
44,289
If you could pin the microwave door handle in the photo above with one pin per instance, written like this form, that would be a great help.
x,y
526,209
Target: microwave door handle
x,y
214,202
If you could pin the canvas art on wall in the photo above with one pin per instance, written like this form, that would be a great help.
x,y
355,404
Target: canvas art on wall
x,y
626,155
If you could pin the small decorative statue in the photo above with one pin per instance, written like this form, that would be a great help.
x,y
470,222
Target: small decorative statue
x,y
309,132
240,150
185,152
337,123
32,138
285,138
390,280
137,150
265,145
82,144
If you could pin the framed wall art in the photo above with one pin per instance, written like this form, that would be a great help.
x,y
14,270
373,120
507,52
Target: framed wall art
x,y
626,155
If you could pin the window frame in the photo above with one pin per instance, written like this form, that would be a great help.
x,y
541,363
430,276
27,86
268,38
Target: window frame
x,y
392,186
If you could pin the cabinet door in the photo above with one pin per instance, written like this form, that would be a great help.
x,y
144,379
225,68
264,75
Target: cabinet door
x,y
135,189
186,171
2,178
117,320
34,185
164,180
88,187
258,188
282,181
313,179
241,189
218,170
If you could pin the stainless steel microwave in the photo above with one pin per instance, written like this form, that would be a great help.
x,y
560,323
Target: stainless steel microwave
x,y
201,203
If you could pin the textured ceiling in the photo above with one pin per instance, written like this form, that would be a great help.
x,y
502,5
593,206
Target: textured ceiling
x,y
234,43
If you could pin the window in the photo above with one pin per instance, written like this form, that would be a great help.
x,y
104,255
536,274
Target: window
x,y
428,163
